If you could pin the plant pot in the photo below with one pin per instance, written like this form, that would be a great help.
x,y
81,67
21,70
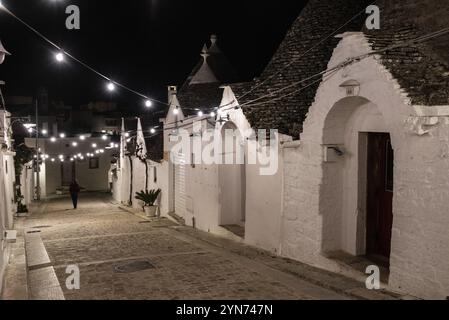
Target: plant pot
x,y
150,211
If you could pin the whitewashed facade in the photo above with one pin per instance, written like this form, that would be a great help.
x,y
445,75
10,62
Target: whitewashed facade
x,y
7,179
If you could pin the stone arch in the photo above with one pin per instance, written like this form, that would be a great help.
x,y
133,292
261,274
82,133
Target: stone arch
x,y
232,178
343,192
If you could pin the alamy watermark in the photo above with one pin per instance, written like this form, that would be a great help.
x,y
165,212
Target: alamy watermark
x,y
373,280
73,281
73,21
226,147
373,20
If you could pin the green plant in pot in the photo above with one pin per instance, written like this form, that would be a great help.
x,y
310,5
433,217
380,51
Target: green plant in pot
x,y
149,199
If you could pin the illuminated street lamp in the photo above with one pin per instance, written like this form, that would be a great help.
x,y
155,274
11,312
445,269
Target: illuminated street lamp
x,y
111,86
59,57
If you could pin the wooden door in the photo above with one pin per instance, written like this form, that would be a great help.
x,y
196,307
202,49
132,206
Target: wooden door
x,y
380,197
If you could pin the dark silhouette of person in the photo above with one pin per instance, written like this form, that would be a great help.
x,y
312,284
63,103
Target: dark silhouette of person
x,y
74,190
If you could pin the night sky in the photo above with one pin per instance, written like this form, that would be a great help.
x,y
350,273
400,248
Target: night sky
x,y
144,44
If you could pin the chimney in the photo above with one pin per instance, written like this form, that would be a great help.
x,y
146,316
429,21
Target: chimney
x,y
213,39
172,90
213,44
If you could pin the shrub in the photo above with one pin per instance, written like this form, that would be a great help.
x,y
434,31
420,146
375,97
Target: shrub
x,y
148,197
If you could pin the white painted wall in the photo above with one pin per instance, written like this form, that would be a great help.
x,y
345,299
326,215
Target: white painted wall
x,y
7,179
121,189
322,201
205,185
3,222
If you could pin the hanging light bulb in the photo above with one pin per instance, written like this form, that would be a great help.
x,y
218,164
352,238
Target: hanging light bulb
x,y
44,132
111,86
212,114
148,103
74,144
53,139
82,138
94,145
62,135
59,57
53,160
176,111
153,130
104,137
127,134
200,113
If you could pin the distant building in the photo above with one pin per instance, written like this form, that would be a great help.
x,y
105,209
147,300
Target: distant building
x,y
87,160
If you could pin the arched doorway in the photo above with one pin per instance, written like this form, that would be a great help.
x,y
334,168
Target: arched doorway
x,y
356,196
232,179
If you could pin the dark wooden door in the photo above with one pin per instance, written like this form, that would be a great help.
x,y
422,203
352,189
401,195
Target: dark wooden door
x,y
380,197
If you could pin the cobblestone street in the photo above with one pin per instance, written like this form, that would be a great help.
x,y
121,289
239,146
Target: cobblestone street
x,y
182,263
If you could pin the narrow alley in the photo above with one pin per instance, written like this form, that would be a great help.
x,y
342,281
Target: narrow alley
x,y
122,255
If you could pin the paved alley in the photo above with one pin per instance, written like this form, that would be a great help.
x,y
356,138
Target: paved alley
x,y
121,255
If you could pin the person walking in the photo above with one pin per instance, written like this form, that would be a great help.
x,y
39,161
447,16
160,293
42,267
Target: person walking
x,y
74,190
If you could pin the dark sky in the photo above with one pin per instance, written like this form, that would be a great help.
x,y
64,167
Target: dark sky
x,y
145,44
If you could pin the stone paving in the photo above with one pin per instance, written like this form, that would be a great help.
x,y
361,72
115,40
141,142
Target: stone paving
x,y
183,263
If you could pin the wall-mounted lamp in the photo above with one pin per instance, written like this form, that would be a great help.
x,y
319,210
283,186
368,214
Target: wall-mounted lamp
x,y
337,151
333,153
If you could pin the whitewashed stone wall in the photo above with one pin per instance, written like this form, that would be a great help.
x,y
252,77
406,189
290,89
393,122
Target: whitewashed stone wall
x,y
121,184
263,196
321,210
7,204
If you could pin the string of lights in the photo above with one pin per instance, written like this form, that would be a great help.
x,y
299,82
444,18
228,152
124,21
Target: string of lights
x,y
344,64
321,74
212,111
61,54
111,84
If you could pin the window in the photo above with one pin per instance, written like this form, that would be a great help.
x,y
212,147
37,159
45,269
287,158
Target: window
x,y
94,163
155,174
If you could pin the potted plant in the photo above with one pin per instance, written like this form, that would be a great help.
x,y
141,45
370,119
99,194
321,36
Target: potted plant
x,y
149,198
